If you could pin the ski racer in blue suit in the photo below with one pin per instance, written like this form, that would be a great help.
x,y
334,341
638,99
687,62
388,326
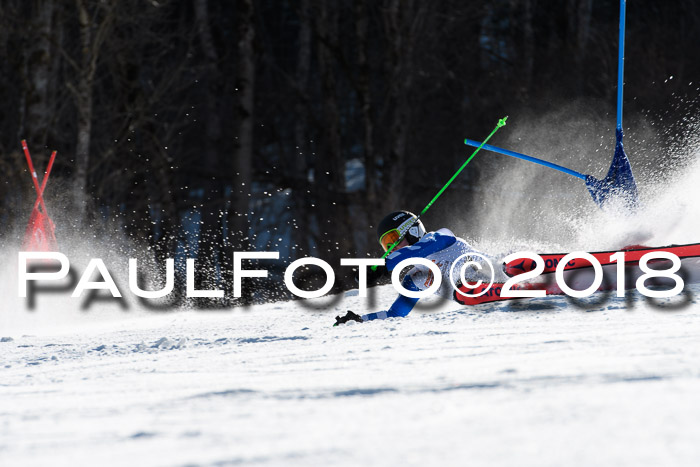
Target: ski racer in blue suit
x,y
441,247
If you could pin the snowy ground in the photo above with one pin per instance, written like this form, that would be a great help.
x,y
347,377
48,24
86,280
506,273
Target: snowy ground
x,y
542,383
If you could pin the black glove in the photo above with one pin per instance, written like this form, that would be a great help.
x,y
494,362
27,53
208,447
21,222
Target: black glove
x,y
350,316
373,276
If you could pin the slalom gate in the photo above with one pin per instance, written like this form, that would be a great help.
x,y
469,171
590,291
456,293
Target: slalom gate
x,y
40,232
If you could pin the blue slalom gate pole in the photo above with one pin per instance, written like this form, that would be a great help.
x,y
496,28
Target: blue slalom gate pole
x,y
621,64
619,182
517,155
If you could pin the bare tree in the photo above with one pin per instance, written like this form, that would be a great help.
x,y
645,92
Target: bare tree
x,y
36,109
90,45
302,147
211,56
365,98
211,238
239,221
402,21
329,165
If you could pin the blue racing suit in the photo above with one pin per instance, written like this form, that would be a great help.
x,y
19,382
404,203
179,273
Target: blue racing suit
x,y
440,247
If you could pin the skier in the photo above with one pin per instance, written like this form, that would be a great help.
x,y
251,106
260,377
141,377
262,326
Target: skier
x,y
441,247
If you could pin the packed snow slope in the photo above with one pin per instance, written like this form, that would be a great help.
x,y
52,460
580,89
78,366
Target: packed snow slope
x,y
601,381
555,381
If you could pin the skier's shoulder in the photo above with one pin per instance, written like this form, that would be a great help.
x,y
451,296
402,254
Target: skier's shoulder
x,y
442,238
444,232
439,238
445,238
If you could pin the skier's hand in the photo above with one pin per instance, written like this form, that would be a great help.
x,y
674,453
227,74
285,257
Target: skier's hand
x,y
350,316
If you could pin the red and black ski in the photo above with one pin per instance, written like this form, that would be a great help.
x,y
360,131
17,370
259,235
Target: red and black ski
x,y
632,256
494,292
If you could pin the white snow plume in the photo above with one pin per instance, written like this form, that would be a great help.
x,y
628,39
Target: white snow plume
x,y
525,206
668,213
53,310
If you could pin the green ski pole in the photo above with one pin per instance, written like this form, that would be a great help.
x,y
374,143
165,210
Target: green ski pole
x,y
501,122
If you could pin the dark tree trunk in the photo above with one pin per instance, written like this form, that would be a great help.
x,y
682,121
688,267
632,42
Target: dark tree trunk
x,y
83,97
329,173
239,221
90,50
300,169
211,240
400,25
37,75
365,98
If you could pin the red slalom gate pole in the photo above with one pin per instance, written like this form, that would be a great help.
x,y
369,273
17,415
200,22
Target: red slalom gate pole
x,y
46,179
35,178
39,235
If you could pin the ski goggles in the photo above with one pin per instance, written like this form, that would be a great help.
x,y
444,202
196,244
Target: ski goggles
x,y
389,238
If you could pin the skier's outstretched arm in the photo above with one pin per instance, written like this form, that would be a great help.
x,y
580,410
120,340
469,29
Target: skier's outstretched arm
x,y
401,306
